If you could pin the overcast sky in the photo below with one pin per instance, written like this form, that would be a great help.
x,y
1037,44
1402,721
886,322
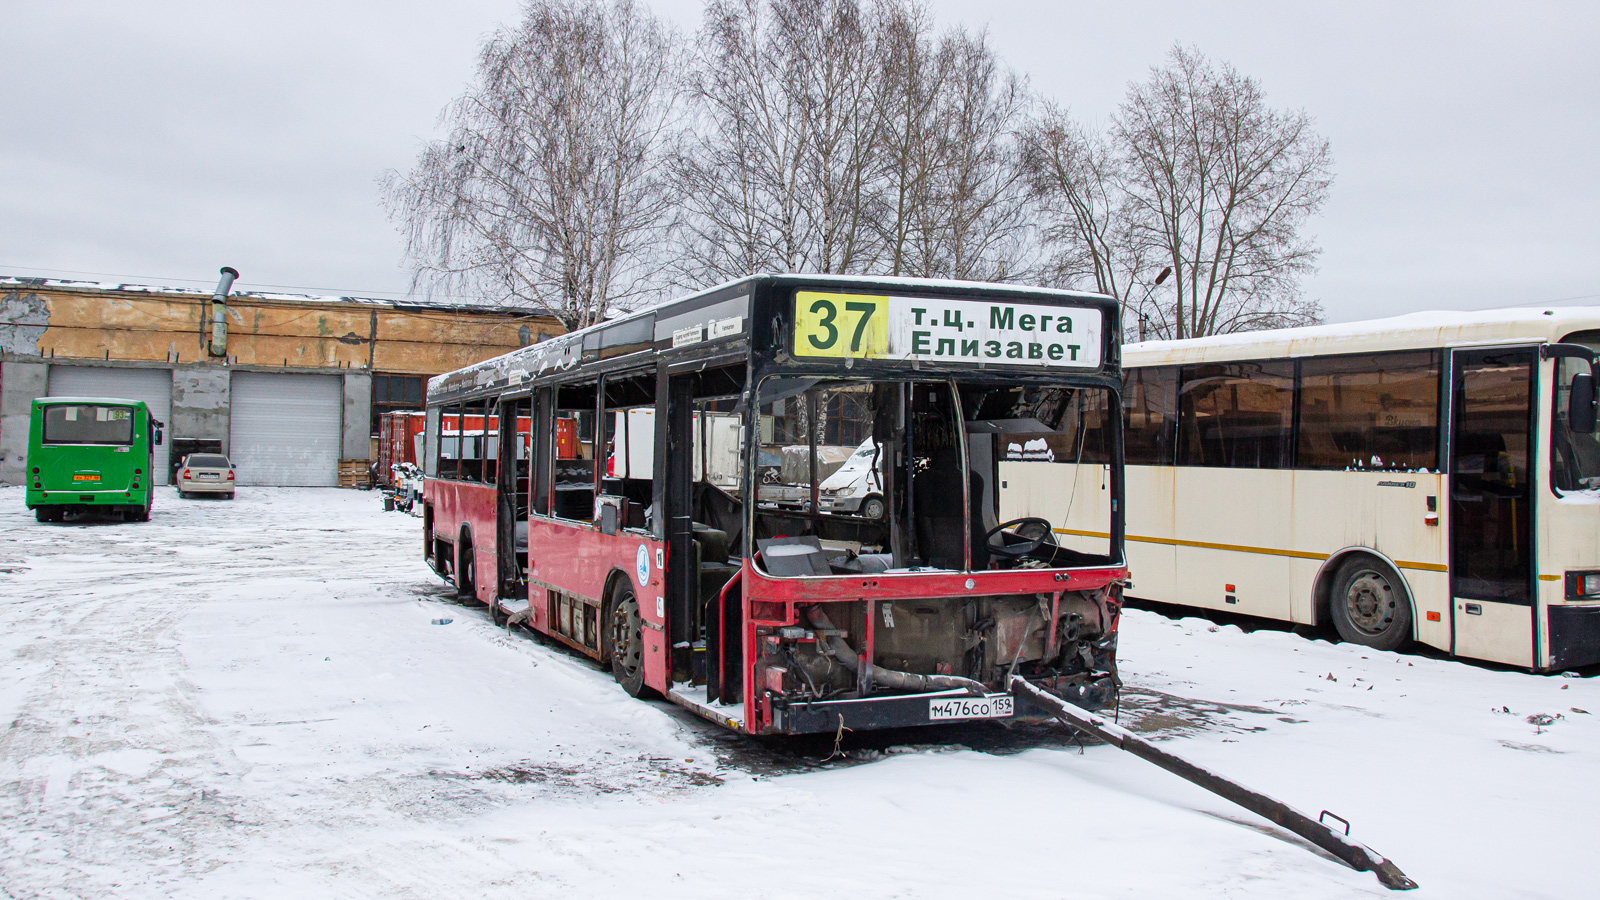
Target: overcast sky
x,y
157,141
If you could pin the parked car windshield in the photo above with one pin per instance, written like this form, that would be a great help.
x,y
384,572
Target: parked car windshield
x,y
86,424
208,461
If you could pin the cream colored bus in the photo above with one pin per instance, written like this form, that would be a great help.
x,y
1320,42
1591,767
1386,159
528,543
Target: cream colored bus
x,y
1427,477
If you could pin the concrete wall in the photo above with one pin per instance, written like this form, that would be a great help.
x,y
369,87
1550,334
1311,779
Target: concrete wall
x,y
356,441
199,404
20,384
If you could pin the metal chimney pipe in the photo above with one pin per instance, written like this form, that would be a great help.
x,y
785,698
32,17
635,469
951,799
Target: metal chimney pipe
x,y
219,312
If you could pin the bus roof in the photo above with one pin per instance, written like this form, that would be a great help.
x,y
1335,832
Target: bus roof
x,y
1413,331
726,304
115,401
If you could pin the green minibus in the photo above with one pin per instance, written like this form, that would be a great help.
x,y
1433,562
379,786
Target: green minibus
x,y
89,454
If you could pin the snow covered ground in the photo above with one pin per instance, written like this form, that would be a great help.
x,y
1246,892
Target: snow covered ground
x,y
249,699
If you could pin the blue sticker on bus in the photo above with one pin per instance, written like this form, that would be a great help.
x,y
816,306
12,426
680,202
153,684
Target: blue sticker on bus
x,y
641,565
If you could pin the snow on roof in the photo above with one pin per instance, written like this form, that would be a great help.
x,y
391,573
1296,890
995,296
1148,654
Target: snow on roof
x,y
1436,328
18,281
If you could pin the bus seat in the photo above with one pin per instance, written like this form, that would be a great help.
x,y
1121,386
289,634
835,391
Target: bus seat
x,y
939,522
713,543
522,536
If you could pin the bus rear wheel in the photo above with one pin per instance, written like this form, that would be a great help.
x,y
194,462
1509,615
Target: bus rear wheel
x,y
47,513
1369,606
627,642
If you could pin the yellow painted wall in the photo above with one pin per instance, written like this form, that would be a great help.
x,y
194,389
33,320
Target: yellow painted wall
x,y
91,323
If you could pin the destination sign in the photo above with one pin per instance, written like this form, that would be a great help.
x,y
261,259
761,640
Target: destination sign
x,y
994,332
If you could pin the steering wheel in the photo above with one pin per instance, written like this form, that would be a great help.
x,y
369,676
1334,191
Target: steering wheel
x,y
1046,537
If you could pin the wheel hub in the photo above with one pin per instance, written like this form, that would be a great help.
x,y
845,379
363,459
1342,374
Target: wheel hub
x,y
1370,602
625,645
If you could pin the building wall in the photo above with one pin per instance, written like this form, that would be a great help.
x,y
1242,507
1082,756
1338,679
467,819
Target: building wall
x,y
45,322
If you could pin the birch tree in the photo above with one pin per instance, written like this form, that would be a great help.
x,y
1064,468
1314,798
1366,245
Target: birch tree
x,y
550,189
1196,176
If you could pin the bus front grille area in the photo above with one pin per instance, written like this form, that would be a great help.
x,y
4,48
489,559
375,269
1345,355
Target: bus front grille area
x,y
929,660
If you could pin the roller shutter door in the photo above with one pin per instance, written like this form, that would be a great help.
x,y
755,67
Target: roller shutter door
x,y
153,386
285,429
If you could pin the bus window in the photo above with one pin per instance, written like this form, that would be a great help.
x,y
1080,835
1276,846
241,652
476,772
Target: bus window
x,y
1051,448
450,442
1150,415
573,462
1378,411
1236,415
629,444
88,424
1574,457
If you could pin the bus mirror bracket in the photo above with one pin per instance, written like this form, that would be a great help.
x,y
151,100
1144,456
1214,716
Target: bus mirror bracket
x,y
1581,404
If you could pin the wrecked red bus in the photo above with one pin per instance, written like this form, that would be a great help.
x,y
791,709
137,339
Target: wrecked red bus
x,y
671,513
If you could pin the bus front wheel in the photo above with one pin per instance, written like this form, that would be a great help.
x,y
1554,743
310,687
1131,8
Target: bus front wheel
x,y
1369,606
627,641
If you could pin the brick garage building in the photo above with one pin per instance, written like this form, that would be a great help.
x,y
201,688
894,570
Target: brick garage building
x,y
295,397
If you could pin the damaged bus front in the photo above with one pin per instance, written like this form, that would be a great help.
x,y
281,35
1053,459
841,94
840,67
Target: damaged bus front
x,y
986,416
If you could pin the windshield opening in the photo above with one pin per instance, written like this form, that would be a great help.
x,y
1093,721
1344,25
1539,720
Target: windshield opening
x,y
1574,457
88,424
858,476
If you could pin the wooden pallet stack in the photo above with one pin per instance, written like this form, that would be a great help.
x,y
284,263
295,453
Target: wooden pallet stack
x,y
355,473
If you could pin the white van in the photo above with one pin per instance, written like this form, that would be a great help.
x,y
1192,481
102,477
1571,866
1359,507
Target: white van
x,y
855,487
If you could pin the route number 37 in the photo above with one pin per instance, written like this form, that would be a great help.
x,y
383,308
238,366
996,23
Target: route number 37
x,y
840,325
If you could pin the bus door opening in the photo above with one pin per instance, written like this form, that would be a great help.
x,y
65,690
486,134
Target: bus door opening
x,y
514,493
704,443
1491,504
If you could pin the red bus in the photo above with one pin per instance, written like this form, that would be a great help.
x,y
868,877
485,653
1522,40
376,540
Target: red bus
x,y
671,513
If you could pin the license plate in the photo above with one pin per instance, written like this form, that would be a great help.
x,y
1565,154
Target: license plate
x,y
992,706
208,476
86,478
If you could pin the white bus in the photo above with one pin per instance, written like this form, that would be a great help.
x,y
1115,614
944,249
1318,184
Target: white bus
x,y
1431,477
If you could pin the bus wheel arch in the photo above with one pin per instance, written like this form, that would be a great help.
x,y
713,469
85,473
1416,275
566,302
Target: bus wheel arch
x,y
1366,599
622,634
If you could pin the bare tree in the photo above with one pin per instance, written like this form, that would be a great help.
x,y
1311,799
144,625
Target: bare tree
x,y
842,137
549,190
778,175
977,215
1197,177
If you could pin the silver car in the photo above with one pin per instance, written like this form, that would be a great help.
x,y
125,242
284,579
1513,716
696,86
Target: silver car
x,y
205,473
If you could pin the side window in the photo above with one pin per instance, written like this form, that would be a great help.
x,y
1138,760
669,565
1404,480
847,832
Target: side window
x,y
1150,415
573,458
1236,415
1574,456
430,454
1377,411
629,421
489,443
450,442
541,429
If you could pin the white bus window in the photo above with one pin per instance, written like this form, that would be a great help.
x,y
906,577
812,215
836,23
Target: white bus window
x,y
1237,415
1150,415
1378,412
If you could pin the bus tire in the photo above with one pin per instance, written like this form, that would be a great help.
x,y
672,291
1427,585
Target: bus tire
x,y
47,514
466,570
872,507
1369,605
625,644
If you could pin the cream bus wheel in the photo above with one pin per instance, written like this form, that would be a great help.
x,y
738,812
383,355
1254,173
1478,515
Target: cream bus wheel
x,y
1369,605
